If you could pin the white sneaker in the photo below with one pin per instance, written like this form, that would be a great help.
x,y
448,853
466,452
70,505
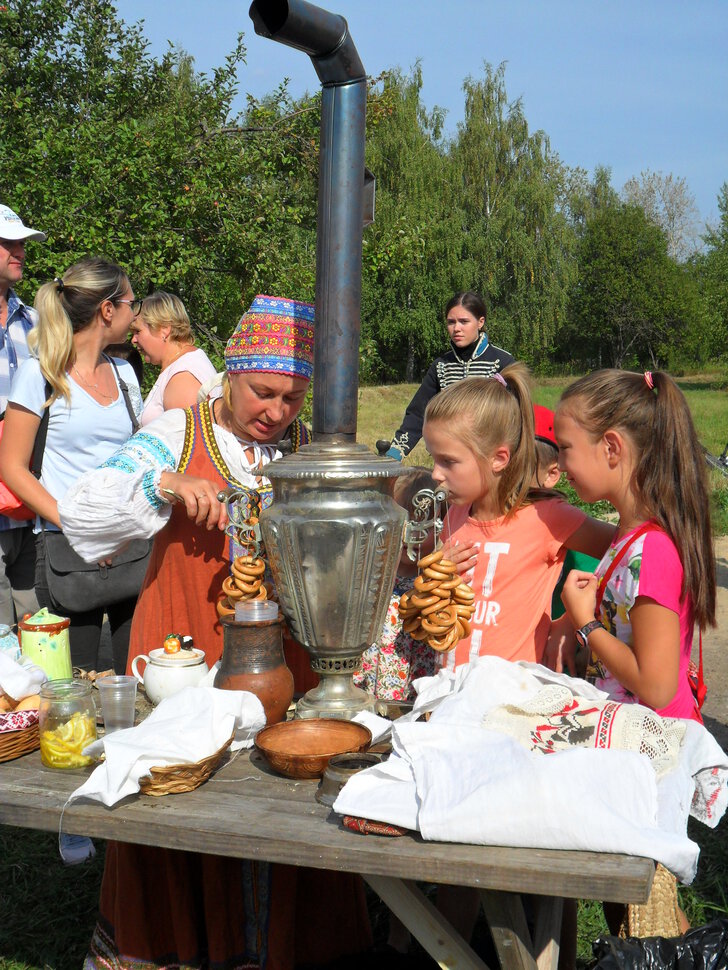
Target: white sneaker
x,y
75,848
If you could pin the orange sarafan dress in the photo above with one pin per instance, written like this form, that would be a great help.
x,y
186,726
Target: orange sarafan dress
x,y
166,908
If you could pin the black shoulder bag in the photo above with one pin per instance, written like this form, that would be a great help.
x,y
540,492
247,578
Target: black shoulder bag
x,y
75,585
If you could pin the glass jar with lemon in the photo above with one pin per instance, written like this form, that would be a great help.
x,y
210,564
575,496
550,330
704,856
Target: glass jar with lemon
x,y
67,717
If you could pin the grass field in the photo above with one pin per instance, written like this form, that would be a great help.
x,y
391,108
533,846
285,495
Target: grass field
x,y
47,911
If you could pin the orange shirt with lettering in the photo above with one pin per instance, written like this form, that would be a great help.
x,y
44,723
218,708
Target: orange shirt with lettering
x,y
519,563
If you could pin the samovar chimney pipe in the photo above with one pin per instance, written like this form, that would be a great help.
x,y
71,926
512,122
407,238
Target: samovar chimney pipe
x,y
325,38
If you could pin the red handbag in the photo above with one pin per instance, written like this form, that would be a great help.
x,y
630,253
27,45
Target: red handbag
x,y
10,504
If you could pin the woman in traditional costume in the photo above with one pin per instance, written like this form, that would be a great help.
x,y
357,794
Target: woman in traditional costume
x,y
167,908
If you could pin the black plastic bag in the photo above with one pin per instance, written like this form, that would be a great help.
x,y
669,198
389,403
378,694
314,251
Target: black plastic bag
x,y
703,948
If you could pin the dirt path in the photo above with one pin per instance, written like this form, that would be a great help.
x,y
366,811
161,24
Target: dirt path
x,y
715,654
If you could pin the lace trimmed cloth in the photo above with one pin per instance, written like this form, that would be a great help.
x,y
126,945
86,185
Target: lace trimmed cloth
x,y
555,719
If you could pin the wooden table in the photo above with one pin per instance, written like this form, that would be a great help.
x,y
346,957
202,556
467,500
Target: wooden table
x,y
246,811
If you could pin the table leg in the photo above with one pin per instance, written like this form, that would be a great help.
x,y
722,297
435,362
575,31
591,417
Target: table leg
x,y
425,923
516,948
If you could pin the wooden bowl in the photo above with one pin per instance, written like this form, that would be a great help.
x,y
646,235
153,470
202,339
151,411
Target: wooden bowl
x,y
301,749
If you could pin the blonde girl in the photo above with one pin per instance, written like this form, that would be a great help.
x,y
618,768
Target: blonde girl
x,y
510,542
79,314
629,438
163,334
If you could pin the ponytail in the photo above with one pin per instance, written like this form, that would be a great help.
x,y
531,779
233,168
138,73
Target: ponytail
x,y
487,412
67,306
670,474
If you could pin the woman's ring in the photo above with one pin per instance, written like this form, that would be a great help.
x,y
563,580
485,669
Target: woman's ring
x,y
200,497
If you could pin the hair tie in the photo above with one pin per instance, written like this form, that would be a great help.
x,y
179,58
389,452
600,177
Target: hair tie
x,y
59,283
500,378
648,380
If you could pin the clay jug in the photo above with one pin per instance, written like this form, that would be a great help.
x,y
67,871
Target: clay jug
x,y
252,660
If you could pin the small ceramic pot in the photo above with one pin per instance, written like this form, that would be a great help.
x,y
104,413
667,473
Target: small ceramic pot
x,y
167,673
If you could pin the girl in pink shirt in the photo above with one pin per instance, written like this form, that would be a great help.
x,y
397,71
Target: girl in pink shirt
x,y
629,438
511,540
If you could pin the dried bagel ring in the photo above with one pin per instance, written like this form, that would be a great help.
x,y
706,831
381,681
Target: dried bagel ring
x,y
246,564
411,624
466,627
448,615
249,588
434,608
463,594
423,602
248,572
450,584
464,611
223,608
262,594
446,566
231,590
434,629
444,594
433,572
435,556
423,585
444,643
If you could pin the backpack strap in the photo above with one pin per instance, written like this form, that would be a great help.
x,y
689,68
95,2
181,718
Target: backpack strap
x,y
36,461
125,394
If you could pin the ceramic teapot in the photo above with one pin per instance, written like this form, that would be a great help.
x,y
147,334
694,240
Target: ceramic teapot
x,y
167,673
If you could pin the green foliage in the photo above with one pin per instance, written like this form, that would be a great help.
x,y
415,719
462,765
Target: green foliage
x,y
628,305
516,240
116,153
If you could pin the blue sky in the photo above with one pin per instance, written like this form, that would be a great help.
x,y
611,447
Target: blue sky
x,y
631,84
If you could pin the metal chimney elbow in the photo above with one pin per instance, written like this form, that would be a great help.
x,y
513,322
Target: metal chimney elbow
x,y
322,35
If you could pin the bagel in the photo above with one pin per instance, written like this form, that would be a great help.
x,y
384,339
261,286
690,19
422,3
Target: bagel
x,y
223,608
248,567
465,627
424,602
444,643
463,594
231,590
434,608
433,572
411,624
434,629
435,556
423,585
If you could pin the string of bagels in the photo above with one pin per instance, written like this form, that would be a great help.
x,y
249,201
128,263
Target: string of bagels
x,y
440,605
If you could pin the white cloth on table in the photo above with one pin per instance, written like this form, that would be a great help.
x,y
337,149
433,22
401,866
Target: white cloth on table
x,y
20,679
119,501
454,780
182,729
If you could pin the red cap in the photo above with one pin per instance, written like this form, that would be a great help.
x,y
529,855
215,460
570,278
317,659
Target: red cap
x,y
544,421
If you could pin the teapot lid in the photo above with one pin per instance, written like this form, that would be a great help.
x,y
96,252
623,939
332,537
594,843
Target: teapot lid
x,y
183,658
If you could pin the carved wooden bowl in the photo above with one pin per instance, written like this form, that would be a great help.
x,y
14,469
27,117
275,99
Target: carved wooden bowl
x,y
302,748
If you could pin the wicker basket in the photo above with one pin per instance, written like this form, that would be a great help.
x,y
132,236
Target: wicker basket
x,y
660,915
19,734
173,779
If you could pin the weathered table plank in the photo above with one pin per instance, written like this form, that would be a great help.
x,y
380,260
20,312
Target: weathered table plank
x,y
246,811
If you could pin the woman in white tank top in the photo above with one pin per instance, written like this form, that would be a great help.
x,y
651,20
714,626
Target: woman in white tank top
x,y
163,335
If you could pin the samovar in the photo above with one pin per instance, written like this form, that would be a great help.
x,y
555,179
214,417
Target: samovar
x,y
333,534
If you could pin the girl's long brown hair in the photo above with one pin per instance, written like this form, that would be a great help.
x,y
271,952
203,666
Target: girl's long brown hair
x,y
484,414
670,475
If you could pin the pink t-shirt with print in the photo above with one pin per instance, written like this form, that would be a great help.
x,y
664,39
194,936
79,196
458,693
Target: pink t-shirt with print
x,y
650,568
519,564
